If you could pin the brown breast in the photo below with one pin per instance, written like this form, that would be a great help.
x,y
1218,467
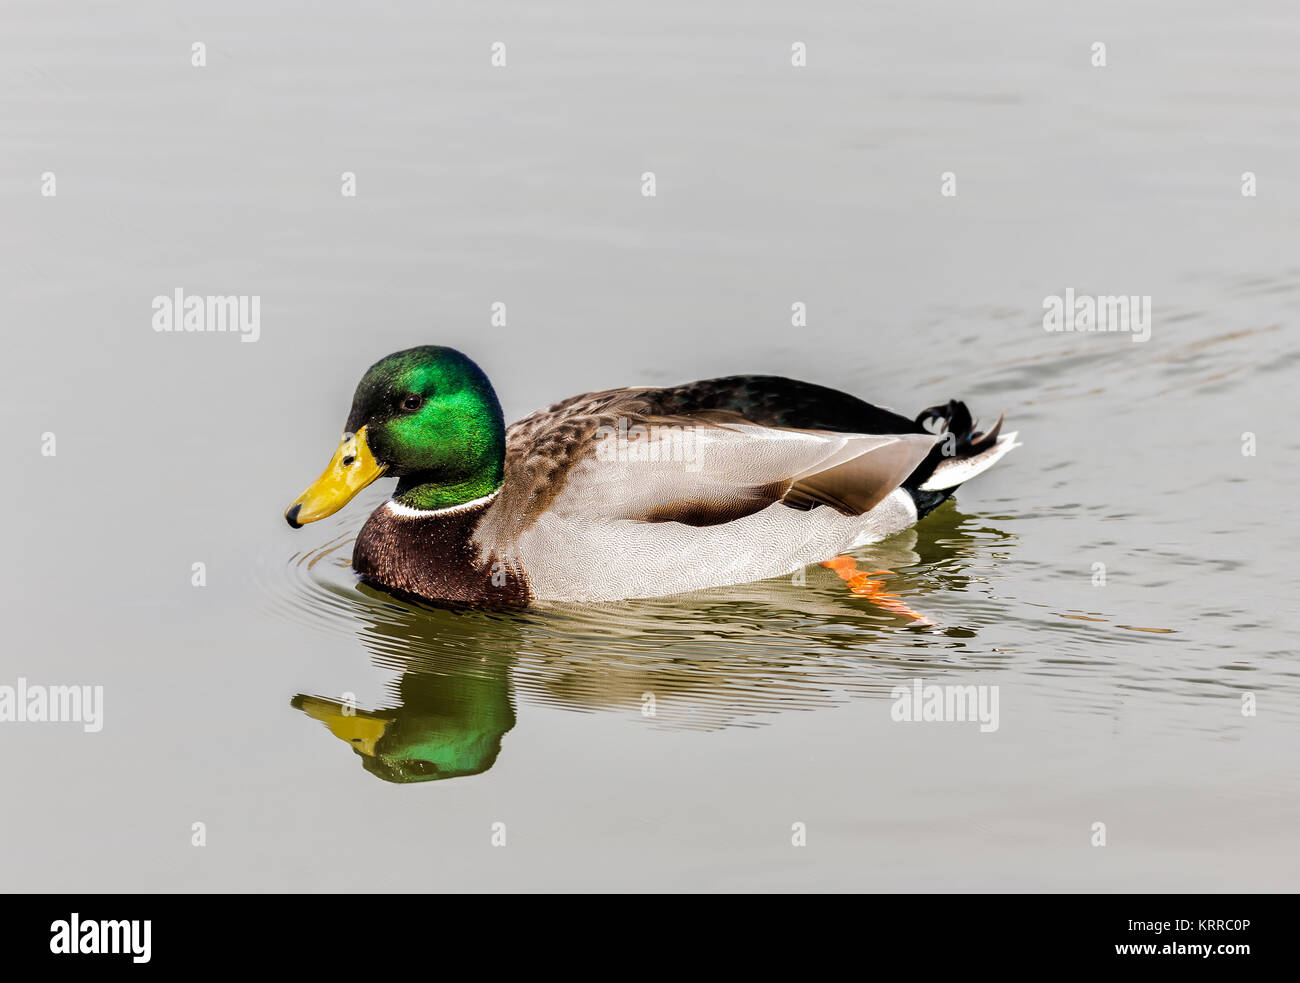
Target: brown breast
x,y
433,557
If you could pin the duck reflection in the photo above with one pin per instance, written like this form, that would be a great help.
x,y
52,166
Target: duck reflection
x,y
721,658
453,701
443,727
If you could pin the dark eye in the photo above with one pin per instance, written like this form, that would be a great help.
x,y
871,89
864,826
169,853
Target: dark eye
x,y
412,402
417,766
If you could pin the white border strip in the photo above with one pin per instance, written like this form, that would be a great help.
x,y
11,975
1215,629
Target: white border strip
x,y
407,512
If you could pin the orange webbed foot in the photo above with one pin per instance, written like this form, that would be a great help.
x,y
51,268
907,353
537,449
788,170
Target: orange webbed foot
x,y
866,583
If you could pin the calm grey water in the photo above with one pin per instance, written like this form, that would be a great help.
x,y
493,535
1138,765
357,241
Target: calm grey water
x,y
1119,704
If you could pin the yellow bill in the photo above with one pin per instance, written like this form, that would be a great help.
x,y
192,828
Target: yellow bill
x,y
351,469
360,729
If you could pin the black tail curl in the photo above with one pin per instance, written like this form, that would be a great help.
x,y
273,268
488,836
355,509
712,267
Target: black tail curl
x,y
953,417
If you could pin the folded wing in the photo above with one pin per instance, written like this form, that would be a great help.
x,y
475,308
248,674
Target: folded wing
x,y
673,470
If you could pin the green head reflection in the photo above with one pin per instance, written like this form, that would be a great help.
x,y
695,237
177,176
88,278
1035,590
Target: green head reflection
x,y
453,702
444,727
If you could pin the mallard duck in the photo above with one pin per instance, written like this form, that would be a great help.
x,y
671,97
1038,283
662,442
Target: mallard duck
x,y
626,493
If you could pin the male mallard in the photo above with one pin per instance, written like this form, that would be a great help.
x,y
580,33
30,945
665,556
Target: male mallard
x,y
626,493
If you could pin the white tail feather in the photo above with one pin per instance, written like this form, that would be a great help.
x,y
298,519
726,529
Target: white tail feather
x,y
952,472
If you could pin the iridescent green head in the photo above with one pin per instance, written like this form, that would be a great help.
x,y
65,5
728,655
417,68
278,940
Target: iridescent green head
x,y
427,416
